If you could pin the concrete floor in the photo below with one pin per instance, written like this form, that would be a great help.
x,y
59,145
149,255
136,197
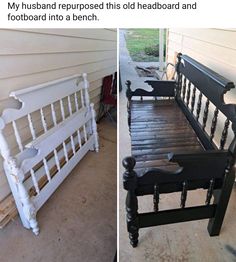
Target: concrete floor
x,y
177,242
78,223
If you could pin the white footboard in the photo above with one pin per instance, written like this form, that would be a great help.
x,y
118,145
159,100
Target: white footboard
x,y
61,122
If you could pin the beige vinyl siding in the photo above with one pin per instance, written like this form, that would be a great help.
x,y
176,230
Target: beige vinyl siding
x,y
216,49
33,56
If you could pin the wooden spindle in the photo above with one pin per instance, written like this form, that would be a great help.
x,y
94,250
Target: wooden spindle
x,y
85,133
199,104
45,164
224,134
156,198
57,160
179,84
69,105
17,136
86,87
184,195
35,182
72,144
65,152
82,97
205,114
76,102
210,191
62,109
184,88
54,119
193,99
94,128
45,128
79,138
188,93
213,124
32,131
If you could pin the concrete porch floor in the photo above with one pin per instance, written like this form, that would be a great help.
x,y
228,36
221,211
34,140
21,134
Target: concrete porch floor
x,y
78,223
177,242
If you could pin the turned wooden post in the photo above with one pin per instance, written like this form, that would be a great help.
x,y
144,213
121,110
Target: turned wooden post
x,y
27,209
222,196
94,127
130,184
179,77
129,96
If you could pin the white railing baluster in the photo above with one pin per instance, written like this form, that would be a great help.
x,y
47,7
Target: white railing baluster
x,y
54,119
17,136
35,182
46,169
72,144
69,105
57,160
76,102
62,109
32,131
65,152
45,128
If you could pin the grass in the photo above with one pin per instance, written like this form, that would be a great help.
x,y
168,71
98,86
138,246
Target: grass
x,y
142,41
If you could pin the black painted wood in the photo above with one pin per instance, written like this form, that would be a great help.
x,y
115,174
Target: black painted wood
x,y
130,184
176,216
172,152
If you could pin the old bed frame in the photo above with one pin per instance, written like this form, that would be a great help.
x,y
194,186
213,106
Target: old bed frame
x,y
211,168
60,120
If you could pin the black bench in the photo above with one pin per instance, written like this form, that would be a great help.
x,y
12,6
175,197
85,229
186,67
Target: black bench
x,y
174,150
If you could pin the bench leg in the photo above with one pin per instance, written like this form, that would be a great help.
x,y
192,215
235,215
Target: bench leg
x,y
132,217
221,198
130,184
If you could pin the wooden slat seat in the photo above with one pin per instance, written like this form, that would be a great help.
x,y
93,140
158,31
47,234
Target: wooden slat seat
x,y
158,128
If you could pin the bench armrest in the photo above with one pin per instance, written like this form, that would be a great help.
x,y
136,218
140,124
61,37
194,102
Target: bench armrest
x,y
159,89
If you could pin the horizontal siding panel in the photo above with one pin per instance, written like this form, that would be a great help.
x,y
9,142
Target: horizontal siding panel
x,y
17,65
211,50
20,82
175,37
221,37
98,34
17,42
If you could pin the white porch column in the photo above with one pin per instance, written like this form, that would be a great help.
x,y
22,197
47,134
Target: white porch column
x,y
161,49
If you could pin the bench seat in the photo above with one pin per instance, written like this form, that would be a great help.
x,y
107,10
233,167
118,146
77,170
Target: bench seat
x,y
157,129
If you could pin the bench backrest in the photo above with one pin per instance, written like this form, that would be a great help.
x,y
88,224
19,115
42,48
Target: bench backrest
x,y
200,93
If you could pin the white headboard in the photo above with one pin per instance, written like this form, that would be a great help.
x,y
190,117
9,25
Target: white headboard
x,y
60,121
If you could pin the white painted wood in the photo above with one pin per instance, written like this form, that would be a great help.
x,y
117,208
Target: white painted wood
x,y
35,182
65,152
17,136
54,118
32,131
62,109
161,49
51,141
66,169
72,144
94,128
45,164
43,120
69,105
